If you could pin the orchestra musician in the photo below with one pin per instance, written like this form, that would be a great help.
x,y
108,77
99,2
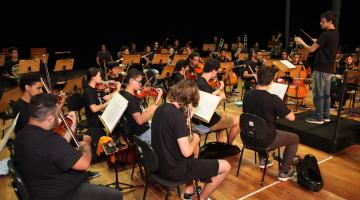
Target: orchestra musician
x,y
95,103
132,49
12,62
249,75
103,56
176,151
176,46
326,46
50,167
135,114
269,107
222,121
124,50
180,70
284,55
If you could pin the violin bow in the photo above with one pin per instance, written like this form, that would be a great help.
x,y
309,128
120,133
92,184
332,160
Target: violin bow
x,y
306,34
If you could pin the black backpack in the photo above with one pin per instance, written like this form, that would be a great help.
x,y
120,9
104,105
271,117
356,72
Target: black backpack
x,y
308,173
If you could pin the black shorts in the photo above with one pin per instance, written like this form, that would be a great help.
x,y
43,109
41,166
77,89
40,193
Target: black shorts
x,y
215,119
201,169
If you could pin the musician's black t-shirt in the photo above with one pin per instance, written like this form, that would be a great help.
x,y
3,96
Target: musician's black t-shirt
x,y
104,56
7,69
265,105
21,107
134,106
45,160
168,125
326,53
176,77
92,97
204,86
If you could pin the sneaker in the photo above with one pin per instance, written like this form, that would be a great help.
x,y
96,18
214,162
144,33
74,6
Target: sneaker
x,y
93,174
262,163
314,121
304,107
284,176
192,195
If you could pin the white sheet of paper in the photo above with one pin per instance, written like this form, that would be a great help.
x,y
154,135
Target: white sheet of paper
x,y
288,64
8,132
113,111
207,106
278,89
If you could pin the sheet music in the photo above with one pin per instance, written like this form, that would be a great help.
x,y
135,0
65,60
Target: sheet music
x,y
8,132
278,89
113,111
288,64
207,106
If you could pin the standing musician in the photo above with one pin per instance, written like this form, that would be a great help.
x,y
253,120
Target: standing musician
x,y
30,85
52,168
177,148
269,107
327,45
13,62
103,56
249,74
135,113
95,104
155,48
217,122
133,49
176,46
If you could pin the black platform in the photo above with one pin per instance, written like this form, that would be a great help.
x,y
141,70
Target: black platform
x,y
321,136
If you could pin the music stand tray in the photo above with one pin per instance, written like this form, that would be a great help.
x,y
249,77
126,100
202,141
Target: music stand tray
x,y
167,71
26,66
64,65
34,51
135,59
9,95
160,58
178,57
73,85
209,47
2,60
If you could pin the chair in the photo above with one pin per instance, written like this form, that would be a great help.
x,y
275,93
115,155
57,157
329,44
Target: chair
x,y
253,130
150,162
19,185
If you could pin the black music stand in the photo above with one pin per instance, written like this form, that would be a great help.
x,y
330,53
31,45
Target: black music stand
x,y
348,77
64,65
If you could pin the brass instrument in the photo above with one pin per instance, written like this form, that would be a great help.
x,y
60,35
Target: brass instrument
x,y
15,71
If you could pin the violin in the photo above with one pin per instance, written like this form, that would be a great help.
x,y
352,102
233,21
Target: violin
x,y
190,76
101,87
146,92
199,68
214,84
61,127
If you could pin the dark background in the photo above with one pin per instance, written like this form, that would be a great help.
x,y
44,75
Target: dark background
x,y
83,27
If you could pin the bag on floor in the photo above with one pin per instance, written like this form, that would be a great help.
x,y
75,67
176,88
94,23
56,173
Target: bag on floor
x,y
308,173
218,150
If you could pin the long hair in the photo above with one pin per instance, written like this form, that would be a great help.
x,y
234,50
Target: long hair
x,y
185,92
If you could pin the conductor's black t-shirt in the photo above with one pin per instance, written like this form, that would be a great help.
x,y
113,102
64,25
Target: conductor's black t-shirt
x,y
21,107
168,125
45,160
267,106
205,87
326,53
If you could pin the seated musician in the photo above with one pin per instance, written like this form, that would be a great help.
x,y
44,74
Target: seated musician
x,y
336,81
295,59
7,69
269,107
146,63
284,55
133,49
155,48
48,164
217,122
103,56
138,117
222,57
176,152
249,74
30,85
113,71
193,60
180,70
124,50
176,46
95,103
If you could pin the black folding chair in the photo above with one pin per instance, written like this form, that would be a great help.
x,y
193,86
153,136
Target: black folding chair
x,y
19,185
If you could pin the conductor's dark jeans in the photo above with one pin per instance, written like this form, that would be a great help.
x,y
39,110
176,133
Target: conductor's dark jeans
x,y
95,192
290,141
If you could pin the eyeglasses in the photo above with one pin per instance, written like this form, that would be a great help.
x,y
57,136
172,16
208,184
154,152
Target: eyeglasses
x,y
139,81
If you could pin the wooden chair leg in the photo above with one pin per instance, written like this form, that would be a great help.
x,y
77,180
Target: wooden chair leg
x,y
241,155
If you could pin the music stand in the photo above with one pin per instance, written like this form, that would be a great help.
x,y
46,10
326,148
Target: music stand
x,y
234,46
164,51
178,57
43,57
26,66
34,51
209,47
352,77
2,60
167,72
135,59
243,56
73,85
64,65
160,59
9,95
